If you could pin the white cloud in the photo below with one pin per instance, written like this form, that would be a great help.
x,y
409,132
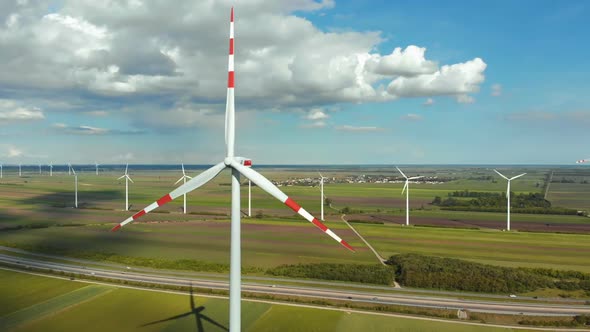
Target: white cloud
x,y
90,130
11,111
496,90
317,124
110,49
465,99
428,102
358,129
456,80
97,113
14,152
316,114
412,117
409,62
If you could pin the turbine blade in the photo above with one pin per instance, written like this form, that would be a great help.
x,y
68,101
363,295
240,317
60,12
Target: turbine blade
x,y
229,106
401,172
129,178
191,185
320,174
179,180
405,187
183,173
415,177
270,188
502,175
126,167
516,177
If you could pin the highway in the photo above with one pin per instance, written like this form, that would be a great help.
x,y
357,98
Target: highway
x,y
498,307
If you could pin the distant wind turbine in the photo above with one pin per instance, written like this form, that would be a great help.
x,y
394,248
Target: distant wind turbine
x,y
19,170
183,178
69,169
322,195
407,190
50,169
1,170
127,179
238,166
39,169
508,196
583,161
96,164
75,188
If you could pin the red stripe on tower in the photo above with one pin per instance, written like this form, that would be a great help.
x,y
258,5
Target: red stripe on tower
x,y
138,214
232,14
116,228
231,46
164,200
291,203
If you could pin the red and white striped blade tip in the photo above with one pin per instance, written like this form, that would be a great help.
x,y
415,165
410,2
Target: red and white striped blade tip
x,y
116,228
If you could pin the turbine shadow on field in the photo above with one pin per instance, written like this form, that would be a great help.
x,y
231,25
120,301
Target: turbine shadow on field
x,y
66,199
196,311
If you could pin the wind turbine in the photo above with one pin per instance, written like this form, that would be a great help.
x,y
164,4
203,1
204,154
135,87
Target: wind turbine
x,y
19,170
583,161
183,178
1,170
322,195
75,188
238,165
96,164
50,169
249,198
127,179
39,169
508,196
407,190
69,169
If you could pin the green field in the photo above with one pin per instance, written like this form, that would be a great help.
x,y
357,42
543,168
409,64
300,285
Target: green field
x,y
120,309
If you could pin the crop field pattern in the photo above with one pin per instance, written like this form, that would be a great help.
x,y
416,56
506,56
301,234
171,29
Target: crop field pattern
x,y
36,214
104,308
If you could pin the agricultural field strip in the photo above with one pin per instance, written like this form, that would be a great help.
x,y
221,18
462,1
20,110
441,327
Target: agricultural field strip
x,y
316,307
53,305
420,301
277,280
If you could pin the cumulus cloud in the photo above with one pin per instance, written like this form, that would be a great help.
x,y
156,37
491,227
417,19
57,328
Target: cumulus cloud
x,y
496,90
412,117
409,62
455,80
11,111
97,113
358,129
316,114
110,50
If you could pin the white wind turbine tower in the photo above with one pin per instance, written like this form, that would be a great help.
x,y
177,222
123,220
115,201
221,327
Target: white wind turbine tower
x,y
322,195
183,178
508,196
1,170
50,169
39,169
407,190
75,188
127,179
249,198
20,174
96,164
238,165
69,169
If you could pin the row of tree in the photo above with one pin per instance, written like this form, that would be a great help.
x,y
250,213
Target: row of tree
x,y
370,274
420,271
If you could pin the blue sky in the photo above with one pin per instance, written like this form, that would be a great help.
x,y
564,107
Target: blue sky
x,y
139,84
